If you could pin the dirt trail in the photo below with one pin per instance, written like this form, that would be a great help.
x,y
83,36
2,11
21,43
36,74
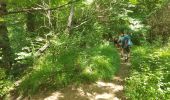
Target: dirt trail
x,y
113,90
101,90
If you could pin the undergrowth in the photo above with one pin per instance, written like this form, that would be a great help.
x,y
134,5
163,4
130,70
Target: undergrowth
x,y
5,83
69,62
150,78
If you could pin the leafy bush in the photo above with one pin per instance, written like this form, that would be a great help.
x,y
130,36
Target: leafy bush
x,y
150,74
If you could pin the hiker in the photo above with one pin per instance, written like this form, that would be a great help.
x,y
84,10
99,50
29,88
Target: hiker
x,y
126,43
121,36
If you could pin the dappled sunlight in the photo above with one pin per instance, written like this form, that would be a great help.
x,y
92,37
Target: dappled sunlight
x,y
114,87
88,2
105,96
81,91
98,91
135,24
101,90
55,96
118,79
128,64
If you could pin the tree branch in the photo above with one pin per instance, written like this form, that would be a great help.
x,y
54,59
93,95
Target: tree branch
x,y
40,9
81,24
42,49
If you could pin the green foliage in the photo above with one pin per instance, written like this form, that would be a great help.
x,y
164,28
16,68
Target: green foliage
x,y
66,64
134,1
150,74
144,8
4,83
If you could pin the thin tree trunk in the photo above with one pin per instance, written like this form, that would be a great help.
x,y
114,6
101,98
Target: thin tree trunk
x,y
7,57
49,19
70,19
49,14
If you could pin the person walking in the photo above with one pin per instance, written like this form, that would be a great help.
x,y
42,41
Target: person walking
x,y
126,43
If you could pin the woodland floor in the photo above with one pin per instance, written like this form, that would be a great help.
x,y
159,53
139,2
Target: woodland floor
x,y
101,90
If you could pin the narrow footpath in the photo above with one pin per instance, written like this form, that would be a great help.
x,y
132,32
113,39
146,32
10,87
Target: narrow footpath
x,y
101,90
113,90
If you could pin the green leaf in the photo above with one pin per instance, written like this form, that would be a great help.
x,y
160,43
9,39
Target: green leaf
x,y
134,1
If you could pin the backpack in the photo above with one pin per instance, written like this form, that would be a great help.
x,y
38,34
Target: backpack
x,y
130,42
126,41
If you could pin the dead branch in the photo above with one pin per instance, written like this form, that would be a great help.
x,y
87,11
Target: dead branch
x,y
81,24
42,49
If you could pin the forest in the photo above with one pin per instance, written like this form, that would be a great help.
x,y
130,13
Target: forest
x,y
65,50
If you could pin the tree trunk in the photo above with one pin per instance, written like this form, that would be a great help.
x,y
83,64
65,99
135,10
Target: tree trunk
x,y
7,57
49,15
70,19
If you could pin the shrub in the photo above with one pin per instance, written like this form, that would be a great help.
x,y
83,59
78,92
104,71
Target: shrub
x,y
149,79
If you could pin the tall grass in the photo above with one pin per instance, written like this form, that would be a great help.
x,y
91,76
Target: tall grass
x,y
68,63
